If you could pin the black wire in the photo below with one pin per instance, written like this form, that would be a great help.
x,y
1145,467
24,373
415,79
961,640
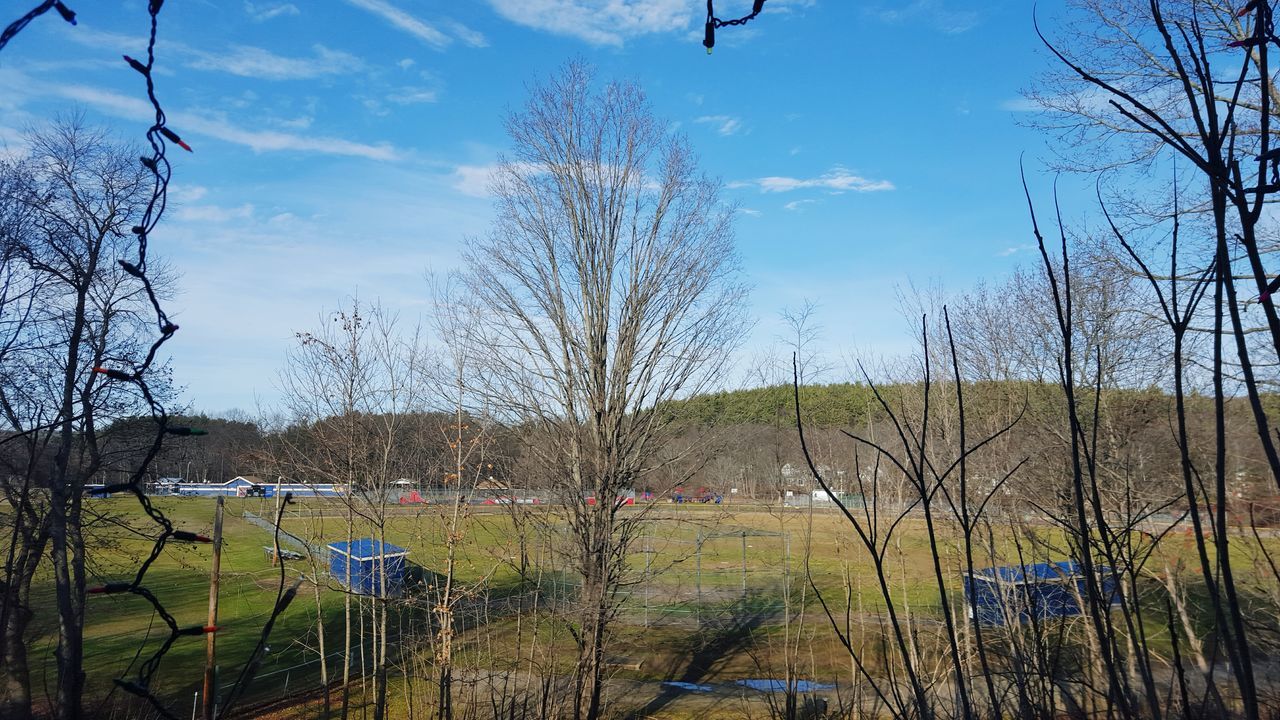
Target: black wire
x,y
719,23
18,25
158,164
713,22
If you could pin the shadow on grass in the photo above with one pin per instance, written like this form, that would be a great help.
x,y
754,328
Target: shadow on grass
x,y
721,635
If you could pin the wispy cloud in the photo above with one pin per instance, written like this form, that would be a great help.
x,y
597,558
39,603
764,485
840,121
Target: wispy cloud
x,y
1013,250
241,60
1085,100
182,194
1022,104
473,180
600,23
274,141
795,205
934,13
91,37
750,212
254,62
417,27
261,12
724,124
413,96
472,38
213,213
191,123
837,180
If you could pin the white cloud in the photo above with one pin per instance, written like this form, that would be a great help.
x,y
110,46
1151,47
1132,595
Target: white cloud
x,y
798,204
214,213
837,180
302,122
271,141
473,180
413,96
932,12
599,22
203,124
261,12
13,144
406,63
241,60
254,62
1022,104
469,37
725,124
1014,250
405,22
187,193
750,212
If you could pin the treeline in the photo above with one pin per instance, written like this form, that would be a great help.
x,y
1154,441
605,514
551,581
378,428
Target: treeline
x,y
753,432
853,404
221,449
745,423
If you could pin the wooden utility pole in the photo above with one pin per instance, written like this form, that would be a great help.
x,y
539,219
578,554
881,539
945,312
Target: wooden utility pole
x,y
210,689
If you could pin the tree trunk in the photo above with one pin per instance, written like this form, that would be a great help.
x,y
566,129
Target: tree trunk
x,y
70,650
324,661
68,563
591,639
15,677
27,545
346,616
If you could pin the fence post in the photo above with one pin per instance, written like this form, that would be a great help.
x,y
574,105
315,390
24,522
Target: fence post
x,y
699,577
210,691
648,575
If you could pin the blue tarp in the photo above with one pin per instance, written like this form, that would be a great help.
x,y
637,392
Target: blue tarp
x,y
770,685
361,559
1039,590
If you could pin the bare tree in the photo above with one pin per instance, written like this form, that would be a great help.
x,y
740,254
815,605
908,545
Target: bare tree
x,y
71,201
1194,80
355,389
607,286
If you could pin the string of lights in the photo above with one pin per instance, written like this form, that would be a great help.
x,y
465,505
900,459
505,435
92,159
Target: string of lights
x,y
18,25
713,22
1263,28
158,135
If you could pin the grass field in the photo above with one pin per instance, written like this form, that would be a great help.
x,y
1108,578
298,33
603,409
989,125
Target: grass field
x,y
699,570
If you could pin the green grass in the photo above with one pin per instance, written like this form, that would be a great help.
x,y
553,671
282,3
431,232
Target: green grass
x,y
121,632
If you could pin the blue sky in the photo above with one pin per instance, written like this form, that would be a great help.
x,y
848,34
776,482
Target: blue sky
x,y
341,146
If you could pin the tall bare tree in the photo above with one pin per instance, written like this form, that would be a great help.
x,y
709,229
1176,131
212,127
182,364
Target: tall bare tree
x,y
608,285
355,389
72,199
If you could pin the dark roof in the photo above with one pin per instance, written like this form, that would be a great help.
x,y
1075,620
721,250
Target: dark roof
x,y
367,549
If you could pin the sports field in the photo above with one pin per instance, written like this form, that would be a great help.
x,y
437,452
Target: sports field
x,y
712,589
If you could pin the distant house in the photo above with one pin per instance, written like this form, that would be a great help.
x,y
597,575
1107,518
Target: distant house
x,y
250,485
235,487
365,559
